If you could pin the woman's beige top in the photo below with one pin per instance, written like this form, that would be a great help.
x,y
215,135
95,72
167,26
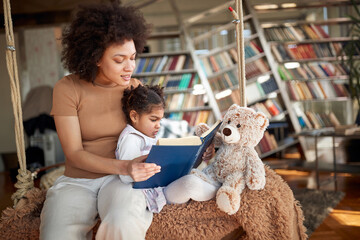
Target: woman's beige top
x,y
100,114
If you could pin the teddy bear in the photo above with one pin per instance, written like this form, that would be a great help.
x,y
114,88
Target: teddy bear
x,y
236,164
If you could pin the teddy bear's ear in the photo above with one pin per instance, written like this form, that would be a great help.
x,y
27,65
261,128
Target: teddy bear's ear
x,y
262,120
233,107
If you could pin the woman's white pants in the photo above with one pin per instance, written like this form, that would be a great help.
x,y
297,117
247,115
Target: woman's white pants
x,y
73,204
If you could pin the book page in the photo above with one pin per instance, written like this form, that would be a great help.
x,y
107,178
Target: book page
x,y
187,141
184,141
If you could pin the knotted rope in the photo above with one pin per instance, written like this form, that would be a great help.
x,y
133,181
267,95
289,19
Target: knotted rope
x,y
25,181
238,20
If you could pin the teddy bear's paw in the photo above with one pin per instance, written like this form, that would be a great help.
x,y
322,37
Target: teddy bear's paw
x,y
256,183
228,200
201,128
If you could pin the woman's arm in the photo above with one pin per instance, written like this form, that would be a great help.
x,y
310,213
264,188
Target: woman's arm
x,y
69,133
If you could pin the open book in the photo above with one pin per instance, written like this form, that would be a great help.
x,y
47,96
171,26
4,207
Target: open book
x,y
177,156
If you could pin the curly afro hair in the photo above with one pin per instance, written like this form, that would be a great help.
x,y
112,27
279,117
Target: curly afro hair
x,y
96,27
142,99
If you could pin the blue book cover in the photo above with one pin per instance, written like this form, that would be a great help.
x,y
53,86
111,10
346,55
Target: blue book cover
x,y
177,160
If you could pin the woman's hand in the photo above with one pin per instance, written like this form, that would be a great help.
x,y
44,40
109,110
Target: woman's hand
x,y
141,171
209,153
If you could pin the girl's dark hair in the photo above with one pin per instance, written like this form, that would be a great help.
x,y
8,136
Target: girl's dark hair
x,y
142,99
96,27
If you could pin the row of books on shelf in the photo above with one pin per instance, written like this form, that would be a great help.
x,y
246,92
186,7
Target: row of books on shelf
x,y
227,59
296,33
256,68
225,102
255,92
173,82
283,52
317,120
217,62
313,70
181,82
183,101
308,90
163,63
229,79
270,107
193,118
266,144
251,49
224,81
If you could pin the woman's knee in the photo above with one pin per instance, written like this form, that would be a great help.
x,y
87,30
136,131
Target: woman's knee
x,y
65,214
123,225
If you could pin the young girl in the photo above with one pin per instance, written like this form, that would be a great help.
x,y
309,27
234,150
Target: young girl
x,y
144,108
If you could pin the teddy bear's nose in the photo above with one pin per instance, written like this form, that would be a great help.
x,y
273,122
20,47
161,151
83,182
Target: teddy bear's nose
x,y
226,131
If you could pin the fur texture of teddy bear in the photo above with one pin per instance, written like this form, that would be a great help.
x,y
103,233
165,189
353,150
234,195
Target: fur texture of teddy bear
x,y
236,164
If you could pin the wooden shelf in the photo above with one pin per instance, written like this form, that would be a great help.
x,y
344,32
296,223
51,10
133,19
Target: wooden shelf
x,y
342,78
287,142
154,74
267,96
331,21
254,79
168,91
194,109
228,69
251,80
324,59
227,47
160,54
278,118
339,99
323,40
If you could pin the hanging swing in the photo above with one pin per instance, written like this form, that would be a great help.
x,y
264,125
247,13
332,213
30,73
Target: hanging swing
x,y
271,213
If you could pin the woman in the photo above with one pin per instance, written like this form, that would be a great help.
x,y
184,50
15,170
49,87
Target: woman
x,y
99,48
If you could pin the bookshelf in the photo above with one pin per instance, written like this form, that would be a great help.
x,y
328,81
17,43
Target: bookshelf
x,y
307,56
309,63
186,98
214,55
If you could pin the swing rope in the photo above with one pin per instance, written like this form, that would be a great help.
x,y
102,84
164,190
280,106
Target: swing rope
x,y
24,178
238,20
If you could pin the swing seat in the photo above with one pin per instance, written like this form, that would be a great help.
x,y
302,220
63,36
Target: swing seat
x,y
271,213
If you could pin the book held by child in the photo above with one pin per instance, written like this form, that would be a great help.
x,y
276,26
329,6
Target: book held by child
x,y
177,156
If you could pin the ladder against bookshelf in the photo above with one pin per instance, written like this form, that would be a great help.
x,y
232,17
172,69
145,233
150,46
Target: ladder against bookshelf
x,y
185,97
215,58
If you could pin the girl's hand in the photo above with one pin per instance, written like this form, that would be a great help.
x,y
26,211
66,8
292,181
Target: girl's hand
x,y
141,171
209,153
